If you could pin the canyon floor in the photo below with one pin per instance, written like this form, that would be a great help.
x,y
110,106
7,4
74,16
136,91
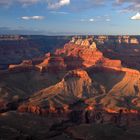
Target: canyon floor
x,y
26,126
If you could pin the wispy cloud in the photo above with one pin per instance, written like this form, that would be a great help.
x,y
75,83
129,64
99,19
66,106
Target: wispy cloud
x,y
27,2
21,2
97,19
81,5
59,12
128,5
55,4
77,5
136,17
52,4
32,17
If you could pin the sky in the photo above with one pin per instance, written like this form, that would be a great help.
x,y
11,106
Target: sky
x,y
70,17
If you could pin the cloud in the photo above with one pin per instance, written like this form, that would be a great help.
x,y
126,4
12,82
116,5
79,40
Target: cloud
x,y
91,19
97,19
27,2
77,5
59,12
32,17
51,4
21,2
136,17
128,5
55,4
5,2
82,5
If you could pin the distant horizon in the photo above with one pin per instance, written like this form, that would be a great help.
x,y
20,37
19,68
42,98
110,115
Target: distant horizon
x,y
74,34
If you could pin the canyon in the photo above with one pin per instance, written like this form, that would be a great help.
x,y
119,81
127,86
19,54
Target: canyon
x,y
75,74
84,74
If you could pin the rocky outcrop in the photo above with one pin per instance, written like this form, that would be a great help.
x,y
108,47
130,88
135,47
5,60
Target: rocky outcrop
x,y
134,41
124,93
52,64
84,54
75,85
110,63
93,45
78,41
85,43
33,109
43,65
24,66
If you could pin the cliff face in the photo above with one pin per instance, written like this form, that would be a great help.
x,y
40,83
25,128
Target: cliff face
x,y
84,55
18,86
123,93
52,64
26,65
113,89
74,86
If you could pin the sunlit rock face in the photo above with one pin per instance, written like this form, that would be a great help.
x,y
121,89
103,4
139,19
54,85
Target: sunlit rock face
x,y
134,41
111,63
78,41
79,56
75,85
112,88
24,66
85,43
84,54
127,40
93,45
102,39
52,64
125,94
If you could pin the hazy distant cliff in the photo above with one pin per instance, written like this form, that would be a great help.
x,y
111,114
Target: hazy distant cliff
x,y
13,49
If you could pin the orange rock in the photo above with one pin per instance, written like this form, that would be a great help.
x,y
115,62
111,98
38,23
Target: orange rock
x,y
22,108
52,64
24,66
82,56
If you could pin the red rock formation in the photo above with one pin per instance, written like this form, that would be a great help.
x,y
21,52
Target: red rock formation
x,y
77,73
33,109
77,56
52,64
75,85
110,63
42,66
24,66
23,108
